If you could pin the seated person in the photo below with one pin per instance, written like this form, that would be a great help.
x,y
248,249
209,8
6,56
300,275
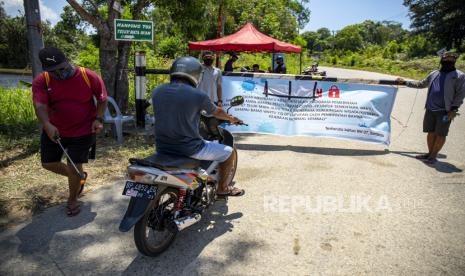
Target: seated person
x,y
177,106
256,69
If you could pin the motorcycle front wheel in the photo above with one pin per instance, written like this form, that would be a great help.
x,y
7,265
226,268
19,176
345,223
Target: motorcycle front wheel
x,y
152,233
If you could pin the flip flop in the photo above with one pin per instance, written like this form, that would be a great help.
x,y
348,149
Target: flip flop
x,y
71,212
430,161
232,192
422,156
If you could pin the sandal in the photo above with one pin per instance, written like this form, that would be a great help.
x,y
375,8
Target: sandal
x,y
430,161
232,192
422,156
71,212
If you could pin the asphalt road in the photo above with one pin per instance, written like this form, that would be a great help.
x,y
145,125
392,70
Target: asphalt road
x,y
313,206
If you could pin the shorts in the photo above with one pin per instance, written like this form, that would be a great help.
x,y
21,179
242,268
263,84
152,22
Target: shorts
x,y
77,148
213,152
434,122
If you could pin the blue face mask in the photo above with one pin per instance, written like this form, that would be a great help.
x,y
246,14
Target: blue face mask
x,y
63,74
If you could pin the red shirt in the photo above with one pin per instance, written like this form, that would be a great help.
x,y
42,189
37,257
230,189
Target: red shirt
x,y
71,107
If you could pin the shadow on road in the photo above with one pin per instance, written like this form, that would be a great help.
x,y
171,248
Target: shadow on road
x,y
446,167
182,257
314,150
440,166
36,236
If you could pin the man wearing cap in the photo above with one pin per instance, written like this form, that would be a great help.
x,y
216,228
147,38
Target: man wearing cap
x,y
229,66
280,68
446,91
210,82
63,98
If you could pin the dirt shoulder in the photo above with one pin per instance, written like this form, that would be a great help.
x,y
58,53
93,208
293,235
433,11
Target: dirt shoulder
x,y
26,188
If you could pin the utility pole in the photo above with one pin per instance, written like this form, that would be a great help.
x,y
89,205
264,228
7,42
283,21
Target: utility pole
x,y
220,29
34,34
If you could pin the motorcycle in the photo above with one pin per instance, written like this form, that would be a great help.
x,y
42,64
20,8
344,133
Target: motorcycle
x,y
169,193
313,70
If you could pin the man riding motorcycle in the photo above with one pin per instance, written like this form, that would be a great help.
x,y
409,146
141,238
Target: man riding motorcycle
x,y
177,108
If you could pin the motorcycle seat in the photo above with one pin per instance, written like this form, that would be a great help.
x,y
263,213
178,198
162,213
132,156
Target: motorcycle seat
x,y
167,162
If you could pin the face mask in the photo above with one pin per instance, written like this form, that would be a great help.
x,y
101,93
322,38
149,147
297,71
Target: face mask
x,y
63,74
208,62
447,66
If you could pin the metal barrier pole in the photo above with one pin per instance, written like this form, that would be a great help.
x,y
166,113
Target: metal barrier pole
x,y
141,88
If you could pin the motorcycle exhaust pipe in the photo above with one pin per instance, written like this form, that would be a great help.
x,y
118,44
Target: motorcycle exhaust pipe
x,y
184,222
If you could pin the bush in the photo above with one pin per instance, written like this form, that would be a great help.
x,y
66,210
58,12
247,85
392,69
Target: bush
x,y
171,47
17,113
334,60
89,58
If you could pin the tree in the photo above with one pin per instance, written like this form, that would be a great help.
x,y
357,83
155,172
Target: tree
x,y
190,20
349,38
445,19
312,39
277,18
13,40
69,33
113,55
324,33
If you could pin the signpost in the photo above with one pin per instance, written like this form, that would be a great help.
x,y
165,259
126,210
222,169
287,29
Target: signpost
x,y
136,30
133,30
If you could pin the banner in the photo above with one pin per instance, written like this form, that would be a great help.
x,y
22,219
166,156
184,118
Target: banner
x,y
290,107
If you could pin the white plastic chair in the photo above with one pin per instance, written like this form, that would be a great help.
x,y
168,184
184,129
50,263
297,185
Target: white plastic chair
x,y
118,120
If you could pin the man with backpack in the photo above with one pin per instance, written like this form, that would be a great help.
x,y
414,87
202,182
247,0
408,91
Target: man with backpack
x,y
69,102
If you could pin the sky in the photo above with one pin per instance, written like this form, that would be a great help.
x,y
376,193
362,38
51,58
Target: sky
x,y
336,14
333,14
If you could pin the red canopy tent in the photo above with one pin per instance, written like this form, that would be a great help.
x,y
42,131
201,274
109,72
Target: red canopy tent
x,y
247,39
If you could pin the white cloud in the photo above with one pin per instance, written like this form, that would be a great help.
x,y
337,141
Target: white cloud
x,y
12,6
46,13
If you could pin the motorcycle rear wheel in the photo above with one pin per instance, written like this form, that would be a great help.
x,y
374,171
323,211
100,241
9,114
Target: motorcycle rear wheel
x,y
143,231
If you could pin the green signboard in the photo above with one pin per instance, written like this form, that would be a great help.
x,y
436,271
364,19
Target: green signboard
x,y
133,30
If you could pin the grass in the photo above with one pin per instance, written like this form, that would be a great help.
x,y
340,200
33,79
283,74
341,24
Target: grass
x,y
417,68
16,71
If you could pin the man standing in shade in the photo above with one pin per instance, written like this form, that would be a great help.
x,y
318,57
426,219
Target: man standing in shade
x,y
446,91
210,82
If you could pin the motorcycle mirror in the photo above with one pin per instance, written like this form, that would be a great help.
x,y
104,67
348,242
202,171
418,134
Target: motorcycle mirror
x,y
238,100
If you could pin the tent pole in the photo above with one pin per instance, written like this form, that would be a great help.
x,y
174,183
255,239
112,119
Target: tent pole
x,y
300,72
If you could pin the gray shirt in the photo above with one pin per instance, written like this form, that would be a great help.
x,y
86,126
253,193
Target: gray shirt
x,y
177,109
211,77
454,87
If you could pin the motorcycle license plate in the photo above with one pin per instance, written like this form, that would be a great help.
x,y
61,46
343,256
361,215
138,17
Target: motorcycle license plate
x,y
139,190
